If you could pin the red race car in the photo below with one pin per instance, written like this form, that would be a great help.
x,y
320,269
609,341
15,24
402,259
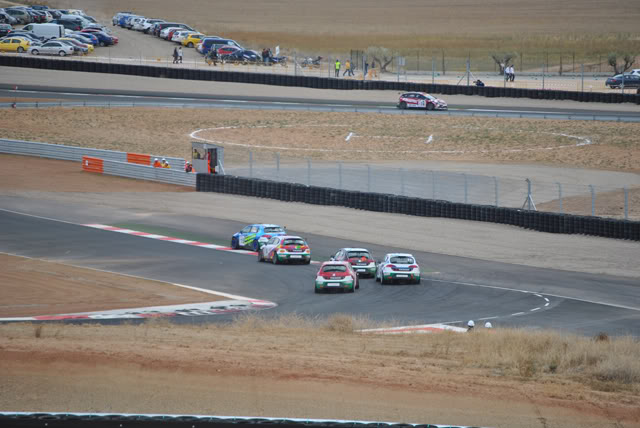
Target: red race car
x,y
421,100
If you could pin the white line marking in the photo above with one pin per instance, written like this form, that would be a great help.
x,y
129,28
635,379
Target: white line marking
x,y
487,318
546,304
546,299
538,295
517,313
534,309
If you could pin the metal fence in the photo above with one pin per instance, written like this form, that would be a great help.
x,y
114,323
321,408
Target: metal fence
x,y
600,200
143,172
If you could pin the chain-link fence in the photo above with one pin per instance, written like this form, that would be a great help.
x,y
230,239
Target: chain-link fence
x,y
599,200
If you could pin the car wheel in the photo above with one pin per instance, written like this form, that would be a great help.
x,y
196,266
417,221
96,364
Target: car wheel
x,y
357,284
102,44
260,258
190,45
376,277
430,106
35,52
353,290
403,105
20,49
316,290
255,246
234,243
306,262
62,53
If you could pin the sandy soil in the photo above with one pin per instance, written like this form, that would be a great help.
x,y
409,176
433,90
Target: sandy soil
x,y
261,371
35,287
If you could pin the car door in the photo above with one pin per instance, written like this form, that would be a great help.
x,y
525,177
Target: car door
x,y
422,101
270,248
380,265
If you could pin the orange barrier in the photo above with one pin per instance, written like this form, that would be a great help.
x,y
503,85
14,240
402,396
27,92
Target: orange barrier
x,y
92,164
139,159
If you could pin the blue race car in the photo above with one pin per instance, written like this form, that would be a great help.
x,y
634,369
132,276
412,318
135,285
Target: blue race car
x,y
255,235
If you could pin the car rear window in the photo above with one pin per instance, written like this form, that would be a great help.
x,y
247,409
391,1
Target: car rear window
x,y
402,260
293,242
273,229
358,254
334,268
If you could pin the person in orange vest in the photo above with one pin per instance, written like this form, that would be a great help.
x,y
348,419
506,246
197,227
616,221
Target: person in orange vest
x,y
156,163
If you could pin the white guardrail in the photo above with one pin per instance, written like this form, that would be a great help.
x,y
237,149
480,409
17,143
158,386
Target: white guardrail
x,y
115,162
143,172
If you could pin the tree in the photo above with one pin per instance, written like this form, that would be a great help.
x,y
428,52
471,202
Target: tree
x,y
503,59
380,55
627,57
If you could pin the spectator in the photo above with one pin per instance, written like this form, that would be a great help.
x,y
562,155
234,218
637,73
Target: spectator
x,y
470,325
165,164
366,67
479,82
175,55
512,73
265,56
347,68
180,54
337,67
188,167
156,163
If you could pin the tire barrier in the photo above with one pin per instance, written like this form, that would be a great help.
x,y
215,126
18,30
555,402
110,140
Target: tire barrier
x,y
533,220
310,82
103,420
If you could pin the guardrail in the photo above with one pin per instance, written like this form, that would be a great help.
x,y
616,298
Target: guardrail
x,y
534,220
309,81
137,171
73,153
84,420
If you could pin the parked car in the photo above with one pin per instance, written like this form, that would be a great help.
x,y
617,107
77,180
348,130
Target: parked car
x,y
51,48
27,35
104,39
85,48
149,23
167,32
179,36
21,15
86,37
336,276
39,7
68,24
14,44
398,267
360,258
630,81
116,17
192,40
7,19
77,48
215,42
158,27
5,29
45,31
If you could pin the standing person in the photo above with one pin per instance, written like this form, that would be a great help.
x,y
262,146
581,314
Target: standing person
x,y
175,55
366,67
157,164
264,56
512,73
180,54
347,68
337,67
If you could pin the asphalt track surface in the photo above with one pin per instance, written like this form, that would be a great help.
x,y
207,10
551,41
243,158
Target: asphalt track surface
x,y
158,98
453,289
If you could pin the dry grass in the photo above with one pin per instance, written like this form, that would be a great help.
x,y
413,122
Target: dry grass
x,y
584,28
321,136
293,341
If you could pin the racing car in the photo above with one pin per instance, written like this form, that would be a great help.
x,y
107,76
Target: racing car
x,y
255,235
336,276
359,258
421,100
285,249
398,267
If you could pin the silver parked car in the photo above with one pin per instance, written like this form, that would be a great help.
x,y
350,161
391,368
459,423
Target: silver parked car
x,y
52,48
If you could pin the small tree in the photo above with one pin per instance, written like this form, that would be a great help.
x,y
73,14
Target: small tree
x,y
380,55
503,59
627,58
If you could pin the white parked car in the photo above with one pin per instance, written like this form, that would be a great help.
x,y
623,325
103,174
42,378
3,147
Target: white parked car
x,y
165,32
398,267
148,23
179,36
51,48
138,23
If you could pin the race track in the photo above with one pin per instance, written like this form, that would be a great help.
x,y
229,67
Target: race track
x,y
453,289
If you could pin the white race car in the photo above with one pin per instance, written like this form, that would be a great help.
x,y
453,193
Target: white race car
x,y
421,100
398,267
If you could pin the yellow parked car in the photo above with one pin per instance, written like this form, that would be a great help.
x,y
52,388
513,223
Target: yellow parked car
x,y
14,44
191,40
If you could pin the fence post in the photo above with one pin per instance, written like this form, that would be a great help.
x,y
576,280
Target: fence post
x,y
495,184
433,184
368,178
593,199
250,164
466,187
560,196
278,166
626,203
308,172
340,175
402,171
